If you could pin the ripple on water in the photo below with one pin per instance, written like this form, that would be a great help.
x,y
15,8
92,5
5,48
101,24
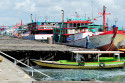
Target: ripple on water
x,y
78,74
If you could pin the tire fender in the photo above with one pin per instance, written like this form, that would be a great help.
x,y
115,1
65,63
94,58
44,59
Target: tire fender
x,y
81,64
102,64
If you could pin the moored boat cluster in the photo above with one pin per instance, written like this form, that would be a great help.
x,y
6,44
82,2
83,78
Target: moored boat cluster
x,y
80,32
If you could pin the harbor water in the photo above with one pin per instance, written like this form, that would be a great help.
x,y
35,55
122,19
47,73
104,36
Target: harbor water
x,y
117,74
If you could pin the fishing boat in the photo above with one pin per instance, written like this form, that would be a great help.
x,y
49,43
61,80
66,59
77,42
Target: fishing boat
x,y
18,30
106,41
40,30
99,63
100,37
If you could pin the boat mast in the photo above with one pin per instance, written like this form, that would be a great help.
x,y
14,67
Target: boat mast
x,y
31,18
104,13
62,15
104,9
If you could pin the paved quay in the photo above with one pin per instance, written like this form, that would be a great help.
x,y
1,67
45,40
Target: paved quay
x,y
12,44
11,73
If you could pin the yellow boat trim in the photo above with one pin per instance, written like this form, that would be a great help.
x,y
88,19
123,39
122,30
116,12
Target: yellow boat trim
x,y
62,66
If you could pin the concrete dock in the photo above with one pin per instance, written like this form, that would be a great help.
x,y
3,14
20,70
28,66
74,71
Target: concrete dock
x,y
12,44
9,72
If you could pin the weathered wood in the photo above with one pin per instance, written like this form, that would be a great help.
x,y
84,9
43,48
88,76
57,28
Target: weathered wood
x,y
13,44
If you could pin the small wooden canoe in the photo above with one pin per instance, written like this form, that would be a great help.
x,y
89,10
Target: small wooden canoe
x,y
82,65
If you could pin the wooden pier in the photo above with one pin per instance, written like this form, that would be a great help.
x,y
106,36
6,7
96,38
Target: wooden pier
x,y
13,44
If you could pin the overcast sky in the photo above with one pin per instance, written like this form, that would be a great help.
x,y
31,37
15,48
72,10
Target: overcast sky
x,y
12,11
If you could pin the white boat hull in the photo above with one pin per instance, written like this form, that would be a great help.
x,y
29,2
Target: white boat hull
x,y
103,42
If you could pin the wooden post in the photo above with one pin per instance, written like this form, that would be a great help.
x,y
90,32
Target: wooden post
x,y
118,56
98,57
76,55
72,57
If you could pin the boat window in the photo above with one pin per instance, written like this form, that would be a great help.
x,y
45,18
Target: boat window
x,y
48,24
78,25
70,25
42,24
64,26
53,24
82,24
48,32
74,24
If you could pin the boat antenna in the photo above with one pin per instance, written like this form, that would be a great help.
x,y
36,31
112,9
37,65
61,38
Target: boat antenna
x,y
116,20
45,18
85,15
31,18
62,15
92,8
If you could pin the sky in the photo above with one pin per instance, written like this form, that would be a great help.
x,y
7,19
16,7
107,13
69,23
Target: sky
x,y
12,11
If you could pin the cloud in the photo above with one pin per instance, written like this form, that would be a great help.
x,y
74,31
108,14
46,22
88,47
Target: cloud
x,y
21,9
25,5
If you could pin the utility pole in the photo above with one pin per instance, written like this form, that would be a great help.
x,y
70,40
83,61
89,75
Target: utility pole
x,y
62,15
85,15
31,17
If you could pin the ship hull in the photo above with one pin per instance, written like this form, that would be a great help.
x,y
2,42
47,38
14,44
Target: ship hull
x,y
74,65
102,41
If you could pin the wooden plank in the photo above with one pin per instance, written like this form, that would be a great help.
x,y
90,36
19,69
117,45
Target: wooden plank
x,y
96,52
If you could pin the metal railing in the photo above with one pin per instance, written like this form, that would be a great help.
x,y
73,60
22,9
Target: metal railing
x,y
15,61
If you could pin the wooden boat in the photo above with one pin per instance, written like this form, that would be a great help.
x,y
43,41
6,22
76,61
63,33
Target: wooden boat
x,y
40,30
75,65
97,64
100,37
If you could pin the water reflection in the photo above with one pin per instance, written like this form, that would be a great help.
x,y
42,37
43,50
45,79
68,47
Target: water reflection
x,y
78,74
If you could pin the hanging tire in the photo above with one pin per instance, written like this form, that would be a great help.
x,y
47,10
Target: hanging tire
x,y
81,63
101,64
124,63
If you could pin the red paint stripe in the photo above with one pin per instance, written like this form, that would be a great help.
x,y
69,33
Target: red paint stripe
x,y
43,34
106,33
44,29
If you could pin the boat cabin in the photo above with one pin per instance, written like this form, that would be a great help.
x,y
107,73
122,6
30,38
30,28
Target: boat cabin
x,y
75,26
41,30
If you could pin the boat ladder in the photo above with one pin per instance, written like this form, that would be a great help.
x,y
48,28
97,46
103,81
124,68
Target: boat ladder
x,y
15,62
